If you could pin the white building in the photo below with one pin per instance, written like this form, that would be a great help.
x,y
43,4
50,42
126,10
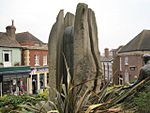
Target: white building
x,y
107,61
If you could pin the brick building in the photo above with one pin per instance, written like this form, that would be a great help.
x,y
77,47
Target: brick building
x,y
131,56
35,54
117,79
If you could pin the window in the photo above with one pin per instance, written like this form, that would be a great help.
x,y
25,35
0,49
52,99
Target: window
x,y
36,59
7,58
126,61
41,81
132,68
120,79
120,64
47,78
34,84
110,66
45,60
105,63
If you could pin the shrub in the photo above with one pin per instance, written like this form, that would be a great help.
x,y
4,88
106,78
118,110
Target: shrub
x,y
11,102
43,95
142,102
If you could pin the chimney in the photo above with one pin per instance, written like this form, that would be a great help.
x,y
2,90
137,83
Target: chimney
x,y
10,30
106,52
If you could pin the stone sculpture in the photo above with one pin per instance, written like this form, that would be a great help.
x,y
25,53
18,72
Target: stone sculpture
x,y
75,39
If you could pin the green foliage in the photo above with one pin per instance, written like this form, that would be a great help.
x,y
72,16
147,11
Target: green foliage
x,y
11,102
69,100
117,96
43,95
142,102
137,98
24,111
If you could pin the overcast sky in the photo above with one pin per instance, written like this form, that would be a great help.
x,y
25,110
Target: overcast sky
x,y
118,21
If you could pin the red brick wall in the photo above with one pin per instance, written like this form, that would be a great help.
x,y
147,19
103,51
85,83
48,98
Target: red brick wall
x,y
116,67
23,57
138,62
41,53
133,60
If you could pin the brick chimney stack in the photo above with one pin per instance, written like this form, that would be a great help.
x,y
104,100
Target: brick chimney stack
x,y
106,52
10,30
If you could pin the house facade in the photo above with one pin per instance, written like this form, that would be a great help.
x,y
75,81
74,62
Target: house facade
x,y
12,75
131,56
107,61
130,65
34,54
117,79
10,56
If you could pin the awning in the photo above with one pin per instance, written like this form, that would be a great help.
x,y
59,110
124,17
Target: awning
x,y
17,71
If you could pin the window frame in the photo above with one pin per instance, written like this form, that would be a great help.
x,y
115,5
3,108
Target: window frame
x,y
36,60
44,60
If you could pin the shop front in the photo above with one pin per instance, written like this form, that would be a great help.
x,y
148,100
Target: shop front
x,y
38,80
13,80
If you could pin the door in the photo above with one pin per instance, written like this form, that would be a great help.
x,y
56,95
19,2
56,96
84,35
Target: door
x,y
7,58
34,84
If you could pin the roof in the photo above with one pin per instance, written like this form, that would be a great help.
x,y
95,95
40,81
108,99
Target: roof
x,y
1,33
7,41
27,37
106,59
140,43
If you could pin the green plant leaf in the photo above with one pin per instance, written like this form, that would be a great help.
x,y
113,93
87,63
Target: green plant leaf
x,y
81,101
31,108
90,108
53,111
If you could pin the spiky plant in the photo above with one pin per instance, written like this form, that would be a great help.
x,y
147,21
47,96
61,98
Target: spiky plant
x,y
68,101
119,97
69,98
